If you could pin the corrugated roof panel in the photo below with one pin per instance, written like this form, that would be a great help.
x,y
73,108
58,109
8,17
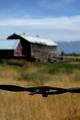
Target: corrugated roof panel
x,y
39,40
8,44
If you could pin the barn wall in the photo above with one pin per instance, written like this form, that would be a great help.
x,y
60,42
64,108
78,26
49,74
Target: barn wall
x,y
26,49
18,51
6,53
23,49
43,52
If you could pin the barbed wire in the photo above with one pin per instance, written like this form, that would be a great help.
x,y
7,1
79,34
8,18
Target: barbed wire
x,y
43,90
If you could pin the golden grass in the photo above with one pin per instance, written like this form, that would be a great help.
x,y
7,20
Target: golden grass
x,y
21,106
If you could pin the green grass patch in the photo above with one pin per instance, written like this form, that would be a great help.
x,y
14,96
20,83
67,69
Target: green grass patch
x,y
39,72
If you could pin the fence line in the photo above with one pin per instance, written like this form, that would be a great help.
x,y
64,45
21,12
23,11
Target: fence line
x,y
43,90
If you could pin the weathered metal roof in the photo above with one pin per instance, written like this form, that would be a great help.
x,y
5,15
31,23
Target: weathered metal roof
x,y
39,40
8,44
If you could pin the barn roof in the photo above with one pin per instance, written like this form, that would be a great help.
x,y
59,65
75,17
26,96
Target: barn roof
x,y
39,40
8,45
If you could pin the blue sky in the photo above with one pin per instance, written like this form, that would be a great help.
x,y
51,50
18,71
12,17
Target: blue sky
x,y
53,19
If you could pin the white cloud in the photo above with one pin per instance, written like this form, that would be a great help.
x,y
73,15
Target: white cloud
x,y
68,23
55,28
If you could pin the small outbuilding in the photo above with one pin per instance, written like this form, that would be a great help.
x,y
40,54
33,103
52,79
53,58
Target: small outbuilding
x,y
35,47
10,49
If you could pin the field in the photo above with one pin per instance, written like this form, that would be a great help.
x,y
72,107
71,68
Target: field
x,y
21,106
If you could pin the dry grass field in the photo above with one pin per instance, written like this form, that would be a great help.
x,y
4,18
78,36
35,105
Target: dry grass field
x,y
21,106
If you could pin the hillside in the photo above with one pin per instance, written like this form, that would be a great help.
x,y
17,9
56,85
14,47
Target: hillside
x,y
69,47
21,106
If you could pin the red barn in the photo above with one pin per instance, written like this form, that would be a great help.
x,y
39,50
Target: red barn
x,y
35,47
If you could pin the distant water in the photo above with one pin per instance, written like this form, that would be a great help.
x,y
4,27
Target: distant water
x,y
69,47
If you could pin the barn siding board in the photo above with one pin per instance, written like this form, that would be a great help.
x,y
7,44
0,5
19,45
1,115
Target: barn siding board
x,y
43,52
